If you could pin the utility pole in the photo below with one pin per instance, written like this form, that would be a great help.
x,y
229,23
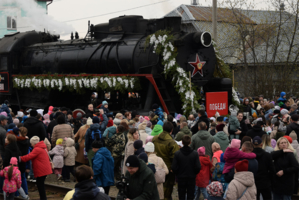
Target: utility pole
x,y
214,20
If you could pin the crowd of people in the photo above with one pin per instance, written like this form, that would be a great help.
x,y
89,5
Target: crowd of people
x,y
251,154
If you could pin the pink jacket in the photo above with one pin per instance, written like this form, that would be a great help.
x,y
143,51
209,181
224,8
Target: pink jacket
x,y
15,181
233,155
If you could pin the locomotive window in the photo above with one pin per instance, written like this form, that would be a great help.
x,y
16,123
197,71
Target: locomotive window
x,y
11,22
3,63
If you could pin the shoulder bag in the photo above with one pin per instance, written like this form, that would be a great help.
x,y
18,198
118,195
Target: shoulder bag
x,y
51,162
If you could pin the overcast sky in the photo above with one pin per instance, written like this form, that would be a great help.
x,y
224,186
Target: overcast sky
x,y
65,10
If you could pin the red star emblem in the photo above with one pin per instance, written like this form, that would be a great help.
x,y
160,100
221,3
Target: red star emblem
x,y
198,65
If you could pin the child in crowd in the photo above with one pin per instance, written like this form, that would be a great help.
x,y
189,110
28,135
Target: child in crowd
x,y
143,156
58,152
217,173
203,177
12,180
105,107
69,158
233,154
138,147
216,153
215,191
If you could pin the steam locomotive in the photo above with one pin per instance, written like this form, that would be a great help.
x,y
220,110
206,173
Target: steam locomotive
x,y
117,47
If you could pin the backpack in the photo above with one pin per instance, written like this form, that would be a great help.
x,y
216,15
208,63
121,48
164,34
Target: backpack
x,y
98,132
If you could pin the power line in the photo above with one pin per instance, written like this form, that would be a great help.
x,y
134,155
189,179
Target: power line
x,y
103,14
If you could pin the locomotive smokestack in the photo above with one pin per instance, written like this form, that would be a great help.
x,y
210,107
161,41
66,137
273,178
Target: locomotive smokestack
x,y
72,36
194,2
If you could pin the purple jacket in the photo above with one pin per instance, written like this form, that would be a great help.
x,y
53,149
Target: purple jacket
x,y
58,152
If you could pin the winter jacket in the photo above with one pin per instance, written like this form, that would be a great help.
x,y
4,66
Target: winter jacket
x,y
203,138
203,177
281,99
15,182
35,128
295,145
117,144
40,160
160,114
242,181
243,128
88,190
265,169
268,149
159,164
139,151
23,146
218,175
222,139
256,131
142,184
69,153
19,138
157,130
184,131
103,167
233,155
267,113
205,119
273,133
217,155
12,150
2,139
186,163
191,123
80,138
148,130
58,152
165,147
61,131
129,150
234,123
88,136
142,133
293,127
284,185
247,109
110,131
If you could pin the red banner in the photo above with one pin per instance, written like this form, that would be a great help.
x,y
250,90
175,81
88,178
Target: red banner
x,y
216,102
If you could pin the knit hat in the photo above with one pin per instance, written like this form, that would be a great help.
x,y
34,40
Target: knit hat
x,y
257,140
235,143
288,138
79,115
160,123
284,111
132,161
149,139
104,103
212,119
16,130
215,189
13,161
110,123
220,127
273,143
89,121
143,156
97,144
148,124
146,118
149,147
157,130
11,126
141,119
242,166
138,144
59,141
34,140
33,113
3,113
201,151
155,106
95,120
293,135
16,121
277,108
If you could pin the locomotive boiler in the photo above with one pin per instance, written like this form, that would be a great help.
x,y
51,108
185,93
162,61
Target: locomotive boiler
x,y
117,47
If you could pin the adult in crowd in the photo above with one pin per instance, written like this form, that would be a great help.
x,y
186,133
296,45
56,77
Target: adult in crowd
x,y
34,126
86,188
141,180
293,126
265,170
166,147
242,186
129,149
201,118
203,138
221,138
61,130
141,131
286,166
172,120
242,130
266,143
90,111
52,124
3,123
247,107
178,127
191,121
184,131
80,143
117,119
257,130
293,109
40,164
94,100
159,165
186,166
128,116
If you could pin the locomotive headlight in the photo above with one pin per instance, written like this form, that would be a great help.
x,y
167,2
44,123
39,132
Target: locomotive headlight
x,y
204,38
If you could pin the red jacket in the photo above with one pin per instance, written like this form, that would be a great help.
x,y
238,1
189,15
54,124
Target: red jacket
x,y
203,177
40,160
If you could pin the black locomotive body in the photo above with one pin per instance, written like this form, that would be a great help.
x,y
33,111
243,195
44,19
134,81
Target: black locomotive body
x,y
117,47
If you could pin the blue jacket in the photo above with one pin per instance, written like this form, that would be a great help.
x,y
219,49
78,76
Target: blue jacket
x,y
94,127
267,113
160,114
281,99
111,130
103,167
